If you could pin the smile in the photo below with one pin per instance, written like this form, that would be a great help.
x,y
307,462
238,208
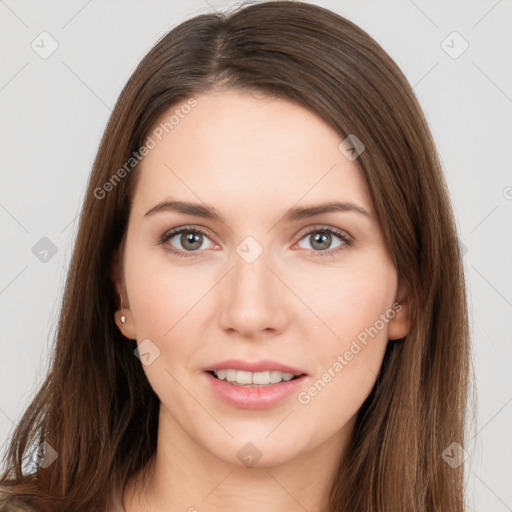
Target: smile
x,y
245,378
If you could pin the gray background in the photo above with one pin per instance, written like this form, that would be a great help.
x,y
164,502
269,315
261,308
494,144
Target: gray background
x,y
54,111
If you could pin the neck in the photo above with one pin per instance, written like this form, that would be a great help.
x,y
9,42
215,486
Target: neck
x,y
184,476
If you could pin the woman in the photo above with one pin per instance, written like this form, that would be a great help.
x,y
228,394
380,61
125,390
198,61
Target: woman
x,y
265,306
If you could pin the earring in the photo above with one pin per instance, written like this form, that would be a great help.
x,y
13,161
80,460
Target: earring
x,y
123,319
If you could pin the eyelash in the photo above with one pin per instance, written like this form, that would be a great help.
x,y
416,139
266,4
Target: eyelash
x,y
344,237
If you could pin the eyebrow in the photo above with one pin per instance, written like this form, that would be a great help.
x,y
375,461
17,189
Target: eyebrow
x,y
293,214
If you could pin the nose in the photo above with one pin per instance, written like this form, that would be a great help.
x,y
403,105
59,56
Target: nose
x,y
255,302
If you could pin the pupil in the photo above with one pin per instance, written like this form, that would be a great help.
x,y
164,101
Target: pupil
x,y
194,239
324,240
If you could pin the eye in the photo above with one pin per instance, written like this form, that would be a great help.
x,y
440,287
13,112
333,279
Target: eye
x,y
189,241
185,240
321,240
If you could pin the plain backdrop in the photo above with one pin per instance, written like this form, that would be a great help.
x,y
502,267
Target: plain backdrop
x,y
54,109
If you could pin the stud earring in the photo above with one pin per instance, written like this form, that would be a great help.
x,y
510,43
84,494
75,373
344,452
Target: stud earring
x,y
123,319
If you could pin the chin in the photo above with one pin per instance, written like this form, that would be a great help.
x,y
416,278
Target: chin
x,y
257,451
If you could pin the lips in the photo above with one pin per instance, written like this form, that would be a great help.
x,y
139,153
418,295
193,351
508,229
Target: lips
x,y
253,385
255,366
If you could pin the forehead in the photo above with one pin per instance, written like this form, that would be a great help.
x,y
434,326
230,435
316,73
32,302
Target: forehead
x,y
251,148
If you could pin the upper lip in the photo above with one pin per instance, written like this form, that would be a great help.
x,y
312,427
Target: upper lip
x,y
254,366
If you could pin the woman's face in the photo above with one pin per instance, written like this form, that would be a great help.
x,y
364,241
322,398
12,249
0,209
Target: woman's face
x,y
261,282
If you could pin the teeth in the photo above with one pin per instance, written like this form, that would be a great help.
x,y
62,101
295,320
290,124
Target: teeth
x,y
230,375
243,378
261,378
275,377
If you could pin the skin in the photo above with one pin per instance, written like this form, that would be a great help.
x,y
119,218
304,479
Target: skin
x,y
253,157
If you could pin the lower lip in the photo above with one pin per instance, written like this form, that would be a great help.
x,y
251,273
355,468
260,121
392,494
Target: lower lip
x,y
254,397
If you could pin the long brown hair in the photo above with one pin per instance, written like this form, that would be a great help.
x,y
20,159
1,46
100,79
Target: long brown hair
x,y
96,407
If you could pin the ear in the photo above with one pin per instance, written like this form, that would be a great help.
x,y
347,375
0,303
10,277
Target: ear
x,y
128,327
400,324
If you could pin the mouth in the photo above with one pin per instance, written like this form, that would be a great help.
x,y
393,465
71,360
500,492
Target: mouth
x,y
254,385
253,379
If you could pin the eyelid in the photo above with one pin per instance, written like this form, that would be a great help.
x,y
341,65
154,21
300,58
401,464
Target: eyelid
x,y
186,227
324,227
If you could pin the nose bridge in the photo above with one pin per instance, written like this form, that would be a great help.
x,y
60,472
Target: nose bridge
x,y
251,293
252,277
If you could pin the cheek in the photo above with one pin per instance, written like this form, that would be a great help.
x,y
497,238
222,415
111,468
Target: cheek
x,y
348,300
349,344
169,303
166,302
162,293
